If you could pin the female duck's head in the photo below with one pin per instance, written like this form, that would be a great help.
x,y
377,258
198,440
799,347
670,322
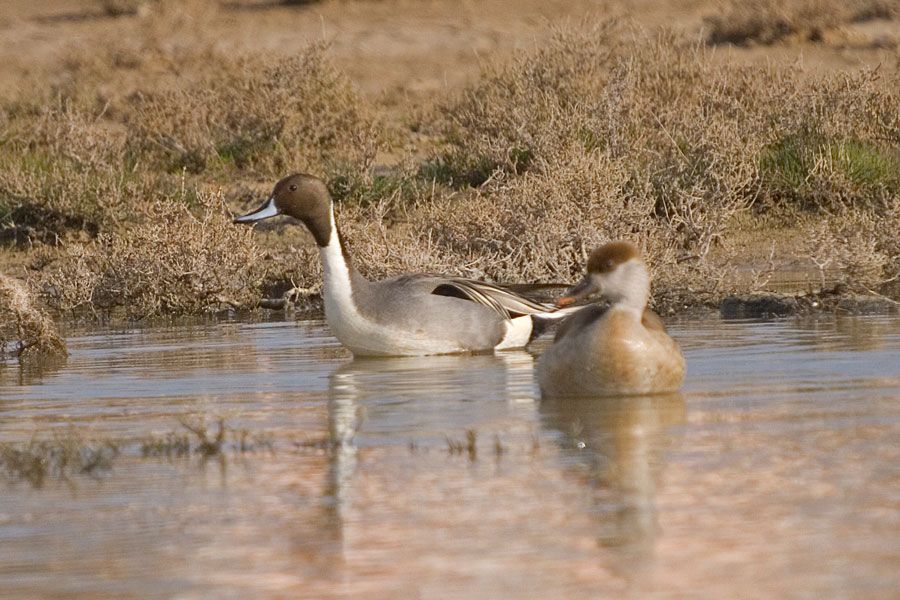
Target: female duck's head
x,y
616,272
302,196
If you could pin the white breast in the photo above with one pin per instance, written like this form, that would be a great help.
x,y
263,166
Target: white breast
x,y
361,335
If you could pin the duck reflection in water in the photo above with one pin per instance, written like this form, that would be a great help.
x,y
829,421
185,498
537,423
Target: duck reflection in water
x,y
616,449
377,401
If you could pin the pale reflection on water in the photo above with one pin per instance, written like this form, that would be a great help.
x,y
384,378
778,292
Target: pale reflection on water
x,y
774,474
616,447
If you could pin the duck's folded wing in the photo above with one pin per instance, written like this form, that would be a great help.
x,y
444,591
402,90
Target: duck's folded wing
x,y
505,302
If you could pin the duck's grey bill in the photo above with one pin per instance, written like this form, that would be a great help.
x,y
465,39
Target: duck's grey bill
x,y
583,289
268,209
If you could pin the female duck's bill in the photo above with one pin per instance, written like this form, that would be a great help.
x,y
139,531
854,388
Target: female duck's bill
x,y
622,350
408,315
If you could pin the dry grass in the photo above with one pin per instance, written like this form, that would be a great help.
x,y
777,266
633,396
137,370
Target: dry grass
x,y
61,170
527,109
268,116
99,162
25,330
540,226
84,151
650,139
862,246
604,132
628,109
745,22
176,262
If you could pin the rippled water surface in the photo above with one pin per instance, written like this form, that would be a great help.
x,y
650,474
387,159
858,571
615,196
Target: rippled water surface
x,y
775,474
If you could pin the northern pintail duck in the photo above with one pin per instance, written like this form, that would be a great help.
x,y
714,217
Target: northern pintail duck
x,y
622,350
408,315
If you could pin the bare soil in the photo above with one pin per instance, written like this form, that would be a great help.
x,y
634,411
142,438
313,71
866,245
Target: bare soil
x,y
407,48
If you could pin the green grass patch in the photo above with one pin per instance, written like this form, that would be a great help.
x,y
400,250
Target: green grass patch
x,y
865,163
812,169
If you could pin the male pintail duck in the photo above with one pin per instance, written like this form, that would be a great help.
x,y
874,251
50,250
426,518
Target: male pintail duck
x,y
622,350
409,315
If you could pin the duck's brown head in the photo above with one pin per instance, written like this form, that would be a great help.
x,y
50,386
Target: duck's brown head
x,y
302,196
614,270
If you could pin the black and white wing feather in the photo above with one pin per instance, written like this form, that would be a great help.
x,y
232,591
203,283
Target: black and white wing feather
x,y
506,303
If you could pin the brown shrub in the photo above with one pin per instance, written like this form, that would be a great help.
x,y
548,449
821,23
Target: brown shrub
x,y
768,21
601,134
862,246
537,228
652,141
835,144
25,330
639,102
266,115
541,226
699,140
62,169
177,262
523,110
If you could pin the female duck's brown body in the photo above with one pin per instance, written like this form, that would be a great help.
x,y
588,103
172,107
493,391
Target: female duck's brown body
x,y
622,350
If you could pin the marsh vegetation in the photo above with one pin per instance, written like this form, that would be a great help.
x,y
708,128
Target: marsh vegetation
x,y
64,454
120,166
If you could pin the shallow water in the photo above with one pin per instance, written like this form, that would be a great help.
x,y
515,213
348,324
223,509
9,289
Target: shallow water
x,y
776,473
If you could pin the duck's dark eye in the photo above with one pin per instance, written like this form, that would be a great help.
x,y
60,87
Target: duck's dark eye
x,y
293,187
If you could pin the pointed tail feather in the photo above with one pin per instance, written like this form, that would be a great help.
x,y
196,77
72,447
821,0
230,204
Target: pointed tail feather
x,y
505,302
544,321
